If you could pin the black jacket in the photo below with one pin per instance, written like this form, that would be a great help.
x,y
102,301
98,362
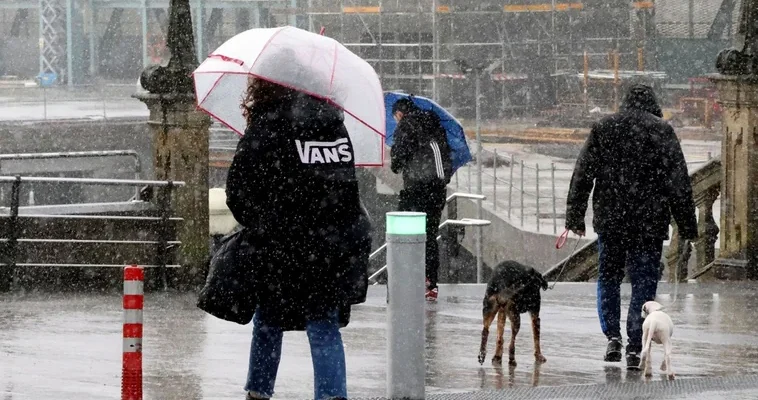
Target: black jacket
x,y
634,160
292,183
421,151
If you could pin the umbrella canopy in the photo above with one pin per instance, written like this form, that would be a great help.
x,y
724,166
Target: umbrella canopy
x,y
304,61
456,138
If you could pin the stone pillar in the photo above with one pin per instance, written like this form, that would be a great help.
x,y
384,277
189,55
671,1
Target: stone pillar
x,y
180,141
180,135
738,255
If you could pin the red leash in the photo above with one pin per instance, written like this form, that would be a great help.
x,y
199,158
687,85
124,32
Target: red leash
x,y
562,239
559,245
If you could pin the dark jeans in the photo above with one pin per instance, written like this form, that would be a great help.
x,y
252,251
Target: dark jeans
x,y
642,257
327,354
428,198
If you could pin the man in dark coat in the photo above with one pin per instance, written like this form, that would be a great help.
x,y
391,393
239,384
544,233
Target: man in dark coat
x,y
636,165
421,153
292,185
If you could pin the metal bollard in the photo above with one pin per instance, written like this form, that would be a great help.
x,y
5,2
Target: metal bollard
x,y
406,257
134,299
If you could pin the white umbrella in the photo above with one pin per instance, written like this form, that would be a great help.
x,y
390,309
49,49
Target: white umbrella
x,y
304,61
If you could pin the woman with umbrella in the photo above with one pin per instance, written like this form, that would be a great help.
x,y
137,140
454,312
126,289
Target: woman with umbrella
x,y
292,184
311,112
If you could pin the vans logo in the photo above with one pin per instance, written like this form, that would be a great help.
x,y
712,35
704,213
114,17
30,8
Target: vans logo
x,y
312,152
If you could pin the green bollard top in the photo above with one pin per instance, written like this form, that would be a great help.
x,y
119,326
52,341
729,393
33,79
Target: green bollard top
x,y
406,223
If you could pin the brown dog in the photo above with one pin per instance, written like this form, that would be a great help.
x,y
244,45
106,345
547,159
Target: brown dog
x,y
514,289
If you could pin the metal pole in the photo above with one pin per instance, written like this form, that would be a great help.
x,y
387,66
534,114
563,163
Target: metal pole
x,y
537,196
41,37
7,274
522,192
435,52
552,190
200,23
469,176
44,101
510,186
406,255
69,45
143,15
311,28
494,180
480,154
92,38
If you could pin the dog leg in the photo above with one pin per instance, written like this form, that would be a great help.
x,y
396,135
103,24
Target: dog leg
x,y
498,358
488,316
515,326
667,358
538,357
645,355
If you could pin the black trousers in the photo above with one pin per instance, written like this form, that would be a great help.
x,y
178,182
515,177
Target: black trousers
x,y
428,198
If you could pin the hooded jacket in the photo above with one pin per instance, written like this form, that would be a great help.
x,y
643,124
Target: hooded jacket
x,y
635,164
292,184
421,152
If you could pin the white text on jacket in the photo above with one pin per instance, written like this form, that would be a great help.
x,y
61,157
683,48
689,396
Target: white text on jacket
x,y
312,152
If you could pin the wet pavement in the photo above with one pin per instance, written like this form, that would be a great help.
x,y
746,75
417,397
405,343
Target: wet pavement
x,y
69,346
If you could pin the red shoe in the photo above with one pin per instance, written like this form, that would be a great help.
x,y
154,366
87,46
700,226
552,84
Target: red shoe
x,y
431,294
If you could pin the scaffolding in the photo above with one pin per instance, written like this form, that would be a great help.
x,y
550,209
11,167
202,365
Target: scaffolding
x,y
423,46
54,15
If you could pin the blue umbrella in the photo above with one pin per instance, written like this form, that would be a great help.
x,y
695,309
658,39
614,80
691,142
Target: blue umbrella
x,y
456,139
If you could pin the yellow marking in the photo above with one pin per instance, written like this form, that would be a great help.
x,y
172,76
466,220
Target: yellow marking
x,y
361,10
643,4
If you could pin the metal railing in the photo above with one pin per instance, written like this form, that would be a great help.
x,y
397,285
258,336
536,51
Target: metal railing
x,y
455,222
78,154
533,192
13,214
99,98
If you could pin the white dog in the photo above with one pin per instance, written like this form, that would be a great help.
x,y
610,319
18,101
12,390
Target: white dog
x,y
657,328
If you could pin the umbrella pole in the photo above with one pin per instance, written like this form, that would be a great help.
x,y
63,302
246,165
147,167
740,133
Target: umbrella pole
x,y
479,178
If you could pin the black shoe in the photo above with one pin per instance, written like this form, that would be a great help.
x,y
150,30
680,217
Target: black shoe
x,y
633,361
613,351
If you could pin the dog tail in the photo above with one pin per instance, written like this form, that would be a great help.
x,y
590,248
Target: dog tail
x,y
540,279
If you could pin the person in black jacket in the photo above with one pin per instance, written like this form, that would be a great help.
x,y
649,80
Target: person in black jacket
x,y
636,165
292,185
421,153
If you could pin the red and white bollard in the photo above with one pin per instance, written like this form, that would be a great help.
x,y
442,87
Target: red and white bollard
x,y
134,299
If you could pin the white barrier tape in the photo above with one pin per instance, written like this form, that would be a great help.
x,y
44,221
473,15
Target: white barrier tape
x,y
132,345
132,316
133,287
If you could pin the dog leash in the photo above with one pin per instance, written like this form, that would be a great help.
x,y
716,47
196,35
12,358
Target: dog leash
x,y
685,252
559,245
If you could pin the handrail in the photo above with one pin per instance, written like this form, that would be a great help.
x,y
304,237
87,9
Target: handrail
x,y
463,195
92,181
456,195
457,222
163,244
78,154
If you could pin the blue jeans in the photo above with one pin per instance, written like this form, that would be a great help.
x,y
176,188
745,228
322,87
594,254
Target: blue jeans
x,y
642,257
327,352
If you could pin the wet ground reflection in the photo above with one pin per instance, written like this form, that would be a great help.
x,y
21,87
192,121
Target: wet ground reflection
x,y
69,347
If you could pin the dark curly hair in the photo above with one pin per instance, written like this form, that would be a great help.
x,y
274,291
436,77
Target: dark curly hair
x,y
260,91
